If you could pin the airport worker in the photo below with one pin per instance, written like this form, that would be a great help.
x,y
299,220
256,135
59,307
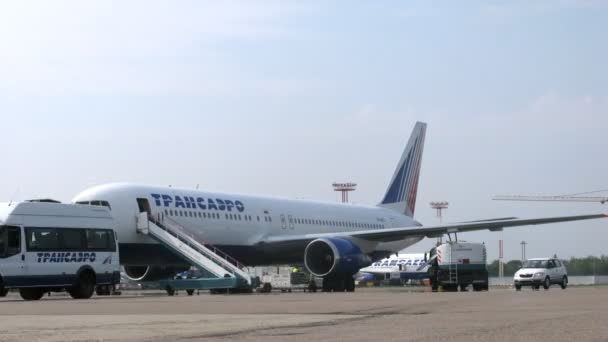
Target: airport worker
x,y
433,273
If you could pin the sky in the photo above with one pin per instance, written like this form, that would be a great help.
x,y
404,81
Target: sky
x,y
285,97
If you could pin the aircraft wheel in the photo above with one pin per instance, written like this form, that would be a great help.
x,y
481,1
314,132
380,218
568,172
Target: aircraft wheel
x,y
312,286
339,285
327,284
103,290
349,284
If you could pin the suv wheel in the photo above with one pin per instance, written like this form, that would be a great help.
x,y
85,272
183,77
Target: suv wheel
x,y
564,283
517,287
547,283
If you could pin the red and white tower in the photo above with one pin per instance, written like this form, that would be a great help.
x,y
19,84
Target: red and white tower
x,y
345,188
440,207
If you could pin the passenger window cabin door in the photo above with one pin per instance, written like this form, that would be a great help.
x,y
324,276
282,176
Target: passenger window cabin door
x,y
290,218
13,255
283,222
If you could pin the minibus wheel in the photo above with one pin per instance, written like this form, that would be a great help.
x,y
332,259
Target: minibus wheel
x,y
85,286
31,294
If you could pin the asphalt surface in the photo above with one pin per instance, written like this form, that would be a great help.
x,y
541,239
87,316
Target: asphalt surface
x,y
368,315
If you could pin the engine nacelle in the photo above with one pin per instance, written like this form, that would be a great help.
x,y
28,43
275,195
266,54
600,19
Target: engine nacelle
x,y
153,273
334,256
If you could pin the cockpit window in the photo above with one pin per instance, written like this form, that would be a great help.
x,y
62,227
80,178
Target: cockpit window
x,y
96,203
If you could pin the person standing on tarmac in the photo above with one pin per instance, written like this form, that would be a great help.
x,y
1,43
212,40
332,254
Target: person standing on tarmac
x,y
433,271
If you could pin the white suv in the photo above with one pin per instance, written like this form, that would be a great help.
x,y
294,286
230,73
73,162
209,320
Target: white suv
x,y
541,271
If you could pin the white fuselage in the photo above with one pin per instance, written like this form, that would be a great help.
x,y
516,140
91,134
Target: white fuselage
x,y
232,221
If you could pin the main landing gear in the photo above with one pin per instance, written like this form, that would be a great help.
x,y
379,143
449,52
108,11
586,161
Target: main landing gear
x,y
339,283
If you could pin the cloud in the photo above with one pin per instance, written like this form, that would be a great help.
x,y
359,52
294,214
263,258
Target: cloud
x,y
105,28
133,47
530,8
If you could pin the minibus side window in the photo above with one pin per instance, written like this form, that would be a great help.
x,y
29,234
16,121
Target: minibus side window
x,y
10,241
72,239
41,239
14,241
100,240
113,238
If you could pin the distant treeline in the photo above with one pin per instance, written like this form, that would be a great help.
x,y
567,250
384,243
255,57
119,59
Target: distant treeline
x,y
576,266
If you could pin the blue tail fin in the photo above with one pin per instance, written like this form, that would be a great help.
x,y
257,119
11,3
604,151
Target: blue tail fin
x,y
401,193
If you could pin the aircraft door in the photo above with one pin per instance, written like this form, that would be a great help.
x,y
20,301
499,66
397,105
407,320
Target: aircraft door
x,y
290,218
283,222
142,217
144,206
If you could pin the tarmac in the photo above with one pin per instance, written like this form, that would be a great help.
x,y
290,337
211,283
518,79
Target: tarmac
x,y
380,314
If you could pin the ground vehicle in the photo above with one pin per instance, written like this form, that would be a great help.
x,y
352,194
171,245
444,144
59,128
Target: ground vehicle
x,y
541,271
54,247
458,264
286,279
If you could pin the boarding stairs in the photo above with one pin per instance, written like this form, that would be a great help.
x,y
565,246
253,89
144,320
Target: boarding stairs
x,y
228,271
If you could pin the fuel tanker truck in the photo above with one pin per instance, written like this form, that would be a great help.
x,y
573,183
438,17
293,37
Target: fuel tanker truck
x,y
457,264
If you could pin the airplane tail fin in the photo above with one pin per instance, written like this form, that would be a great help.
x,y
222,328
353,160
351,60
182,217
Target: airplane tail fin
x,y
401,193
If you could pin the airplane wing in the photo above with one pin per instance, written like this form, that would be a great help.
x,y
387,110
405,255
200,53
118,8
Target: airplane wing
x,y
394,234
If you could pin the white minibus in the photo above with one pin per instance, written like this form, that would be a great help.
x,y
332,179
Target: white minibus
x,y
46,246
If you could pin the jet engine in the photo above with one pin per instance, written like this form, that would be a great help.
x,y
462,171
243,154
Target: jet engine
x,y
153,272
329,256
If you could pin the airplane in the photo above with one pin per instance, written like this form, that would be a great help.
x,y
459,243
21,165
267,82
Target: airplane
x,y
333,240
406,265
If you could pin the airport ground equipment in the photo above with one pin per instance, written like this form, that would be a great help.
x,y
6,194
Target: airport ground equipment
x,y
46,246
229,274
457,264
286,279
